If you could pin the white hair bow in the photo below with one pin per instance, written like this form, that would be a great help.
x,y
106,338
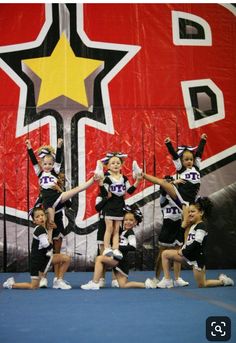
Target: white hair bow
x,y
182,148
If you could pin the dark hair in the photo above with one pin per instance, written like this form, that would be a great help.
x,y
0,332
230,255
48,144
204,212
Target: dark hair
x,y
168,178
181,156
136,212
204,204
35,209
181,150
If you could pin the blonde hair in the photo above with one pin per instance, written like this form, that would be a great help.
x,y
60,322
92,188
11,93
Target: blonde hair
x,y
46,147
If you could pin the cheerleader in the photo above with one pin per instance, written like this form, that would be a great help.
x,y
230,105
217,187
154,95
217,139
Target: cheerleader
x,y
132,217
193,251
188,168
41,255
47,172
171,235
117,185
59,232
187,164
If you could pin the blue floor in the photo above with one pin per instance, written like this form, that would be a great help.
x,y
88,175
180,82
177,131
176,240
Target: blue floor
x,y
113,315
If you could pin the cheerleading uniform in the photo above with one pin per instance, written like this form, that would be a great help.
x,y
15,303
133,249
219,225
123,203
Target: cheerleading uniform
x,y
127,244
47,180
195,246
114,206
188,191
59,231
171,232
100,203
39,249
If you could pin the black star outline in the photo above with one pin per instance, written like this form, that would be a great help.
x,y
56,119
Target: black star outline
x,y
110,58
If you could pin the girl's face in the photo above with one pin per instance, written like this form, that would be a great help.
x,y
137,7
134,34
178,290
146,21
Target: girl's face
x,y
47,164
129,221
187,159
114,164
40,217
195,215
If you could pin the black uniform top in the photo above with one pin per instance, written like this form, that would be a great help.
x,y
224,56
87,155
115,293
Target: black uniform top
x,y
117,188
188,190
127,244
169,208
40,244
47,180
196,242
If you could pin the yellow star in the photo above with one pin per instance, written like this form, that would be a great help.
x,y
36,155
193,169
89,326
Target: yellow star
x,y
63,74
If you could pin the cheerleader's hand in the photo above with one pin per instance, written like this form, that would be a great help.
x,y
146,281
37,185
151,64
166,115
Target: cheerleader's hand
x,y
137,171
28,144
167,140
204,136
59,142
140,177
98,173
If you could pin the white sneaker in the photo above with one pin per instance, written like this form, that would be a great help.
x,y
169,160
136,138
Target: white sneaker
x,y
9,283
117,254
55,281
102,282
227,281
150,284
180,282
108,252
43,283
115,284
91,286
136,170
61,284
155,281
165,283
98,172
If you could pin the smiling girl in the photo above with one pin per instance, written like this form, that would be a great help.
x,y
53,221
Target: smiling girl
x,y
116,185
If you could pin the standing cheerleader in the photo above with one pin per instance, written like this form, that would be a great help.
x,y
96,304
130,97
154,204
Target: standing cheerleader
x,y
171,235
117,185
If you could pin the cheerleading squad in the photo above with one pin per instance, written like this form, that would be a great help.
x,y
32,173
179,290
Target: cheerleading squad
x,y
182,238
